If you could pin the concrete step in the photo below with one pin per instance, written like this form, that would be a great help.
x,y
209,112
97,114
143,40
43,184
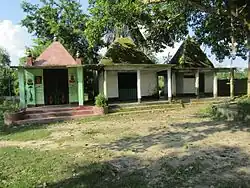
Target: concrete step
x,y
144,107
57,109
51,119
50,113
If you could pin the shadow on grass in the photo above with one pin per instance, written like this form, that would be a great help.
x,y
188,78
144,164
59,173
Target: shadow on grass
x,y
175,139
223,167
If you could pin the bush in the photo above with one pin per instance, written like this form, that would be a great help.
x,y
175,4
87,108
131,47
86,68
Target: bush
x,y
101,101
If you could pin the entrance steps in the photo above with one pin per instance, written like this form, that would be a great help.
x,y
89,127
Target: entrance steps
x,y
49,114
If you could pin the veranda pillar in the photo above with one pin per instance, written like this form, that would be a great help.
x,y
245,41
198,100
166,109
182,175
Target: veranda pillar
x,y
80,85
139,86
197,85
215,85
232,83
105,84
174,83
169,85
21,80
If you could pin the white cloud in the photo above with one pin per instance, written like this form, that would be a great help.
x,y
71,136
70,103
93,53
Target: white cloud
x,y
14,38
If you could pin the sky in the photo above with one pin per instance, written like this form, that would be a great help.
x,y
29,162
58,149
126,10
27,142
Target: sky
x,y
15,38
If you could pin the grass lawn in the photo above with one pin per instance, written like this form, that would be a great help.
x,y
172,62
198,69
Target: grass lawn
x,y
168,148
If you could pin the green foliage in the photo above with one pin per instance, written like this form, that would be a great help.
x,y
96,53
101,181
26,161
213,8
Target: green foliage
x,y
63,19
161,83
232,17
101,101
8,76
4,58
243,108
106,61
7,106
10,106
209,111
239,74
162,25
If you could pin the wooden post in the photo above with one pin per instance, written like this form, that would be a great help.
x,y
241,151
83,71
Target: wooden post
x,y
215,85
197,85
21,80
80,86
169,85
139,86
232,83
105,84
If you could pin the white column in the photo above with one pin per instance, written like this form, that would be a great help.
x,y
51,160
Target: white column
x,y
174,83
197,79
232,83
215,85
80,86
139,86
105,84
169,85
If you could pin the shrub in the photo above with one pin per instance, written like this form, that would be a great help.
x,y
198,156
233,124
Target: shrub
x,y
101,101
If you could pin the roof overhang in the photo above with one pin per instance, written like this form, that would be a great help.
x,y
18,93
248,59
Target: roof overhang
x,y
134,67
221,69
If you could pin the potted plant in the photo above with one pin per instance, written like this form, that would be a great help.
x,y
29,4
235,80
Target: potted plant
x,y
101,103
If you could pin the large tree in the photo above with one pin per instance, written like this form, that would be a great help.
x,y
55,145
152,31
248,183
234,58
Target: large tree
x,y
63,19
161,26
223,25
7,75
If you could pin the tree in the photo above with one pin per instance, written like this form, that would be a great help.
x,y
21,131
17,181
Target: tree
x,y
38,47
4,58
223,25
7,75
63,19
111,19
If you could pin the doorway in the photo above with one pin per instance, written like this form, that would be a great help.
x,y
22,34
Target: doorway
x,y
127,86
202,83
56,86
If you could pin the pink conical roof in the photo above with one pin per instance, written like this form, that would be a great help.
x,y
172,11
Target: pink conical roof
x,y
55,55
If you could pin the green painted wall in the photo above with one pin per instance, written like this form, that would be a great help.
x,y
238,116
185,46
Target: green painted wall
x,y
73,86
35,90
21,79
30,88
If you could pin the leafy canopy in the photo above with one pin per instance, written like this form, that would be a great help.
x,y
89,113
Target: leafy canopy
x,y
63,19
216,23
8,77
111,19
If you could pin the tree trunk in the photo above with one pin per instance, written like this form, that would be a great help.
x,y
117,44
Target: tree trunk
x,y
248,82
248,47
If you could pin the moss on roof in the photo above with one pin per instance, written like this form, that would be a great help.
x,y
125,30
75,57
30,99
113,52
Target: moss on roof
x,y
123,50
190,55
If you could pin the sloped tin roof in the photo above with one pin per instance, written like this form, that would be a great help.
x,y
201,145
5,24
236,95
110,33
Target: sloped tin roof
x,y
190,55
55,55
124,51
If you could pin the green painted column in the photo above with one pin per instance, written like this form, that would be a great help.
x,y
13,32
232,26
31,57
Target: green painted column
x,y
80,85
21,80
